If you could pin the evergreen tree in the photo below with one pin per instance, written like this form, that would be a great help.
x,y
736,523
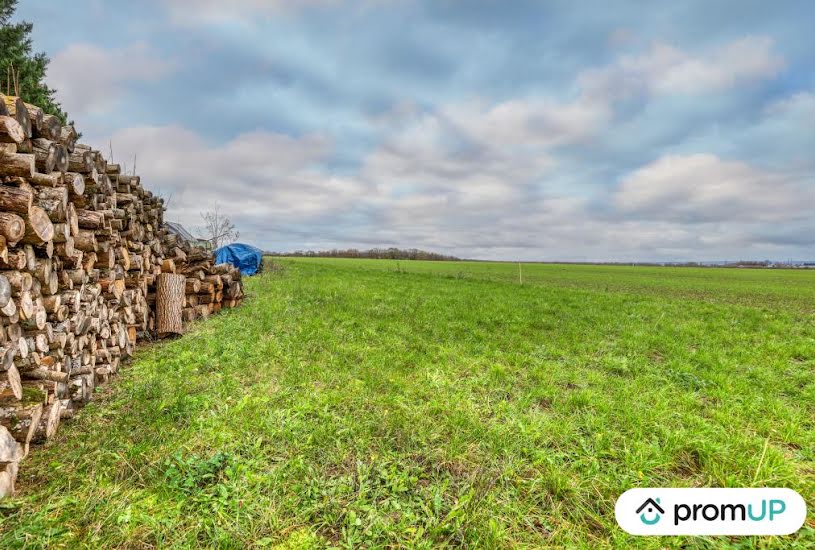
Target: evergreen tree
x,y
16,53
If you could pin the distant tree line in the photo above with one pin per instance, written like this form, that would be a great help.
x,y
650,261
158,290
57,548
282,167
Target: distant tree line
x,y
373,253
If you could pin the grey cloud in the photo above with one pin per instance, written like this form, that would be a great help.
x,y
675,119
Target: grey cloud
x,y
90,80
703,187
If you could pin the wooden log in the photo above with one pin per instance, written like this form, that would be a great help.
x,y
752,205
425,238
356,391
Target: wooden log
x,y
12,227
192,286
169,303
36,321
68,137
203,311
30,257
52,303
17,109
89,219
12,384
50,127
25,306
62,234
38,227
16,260
71,219
8,476
75,183
42,269
10,450
42,373
15,199
35,114
22,346
46,154
19,281
123,257
41,344
80,161
216,281
8,351
51,286
53,200
17,165
21,418
10,309
5,291
48,423
85,240
53,179
10,130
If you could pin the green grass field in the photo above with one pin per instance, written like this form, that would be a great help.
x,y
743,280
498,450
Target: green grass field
x,y
410,404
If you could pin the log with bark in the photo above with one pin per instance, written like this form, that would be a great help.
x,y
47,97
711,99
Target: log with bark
x,y
169,303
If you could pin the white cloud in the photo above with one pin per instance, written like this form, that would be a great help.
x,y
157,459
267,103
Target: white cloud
x,y
474,154
665,69
282,195
90,80
703,187
255,176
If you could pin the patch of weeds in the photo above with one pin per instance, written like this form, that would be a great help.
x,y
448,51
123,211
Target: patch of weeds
x,y
192,474
686,379
182,408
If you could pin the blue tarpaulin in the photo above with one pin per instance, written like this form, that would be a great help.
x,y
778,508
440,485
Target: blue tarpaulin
x,y
244,257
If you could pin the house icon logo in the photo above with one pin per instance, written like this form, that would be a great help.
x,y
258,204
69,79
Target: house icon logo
x,y
648,507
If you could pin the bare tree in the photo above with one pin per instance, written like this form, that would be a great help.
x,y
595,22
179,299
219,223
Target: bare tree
x,y
218,228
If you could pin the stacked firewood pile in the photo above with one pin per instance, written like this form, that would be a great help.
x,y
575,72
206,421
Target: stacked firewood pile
x,y
87,269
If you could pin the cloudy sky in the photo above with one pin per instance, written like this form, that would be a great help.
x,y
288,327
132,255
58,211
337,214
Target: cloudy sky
x,y
489,129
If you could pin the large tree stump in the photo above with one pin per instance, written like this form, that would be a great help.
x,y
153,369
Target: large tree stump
x,y
170,303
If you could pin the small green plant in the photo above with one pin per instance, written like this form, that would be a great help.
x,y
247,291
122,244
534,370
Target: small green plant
x,y
192,473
